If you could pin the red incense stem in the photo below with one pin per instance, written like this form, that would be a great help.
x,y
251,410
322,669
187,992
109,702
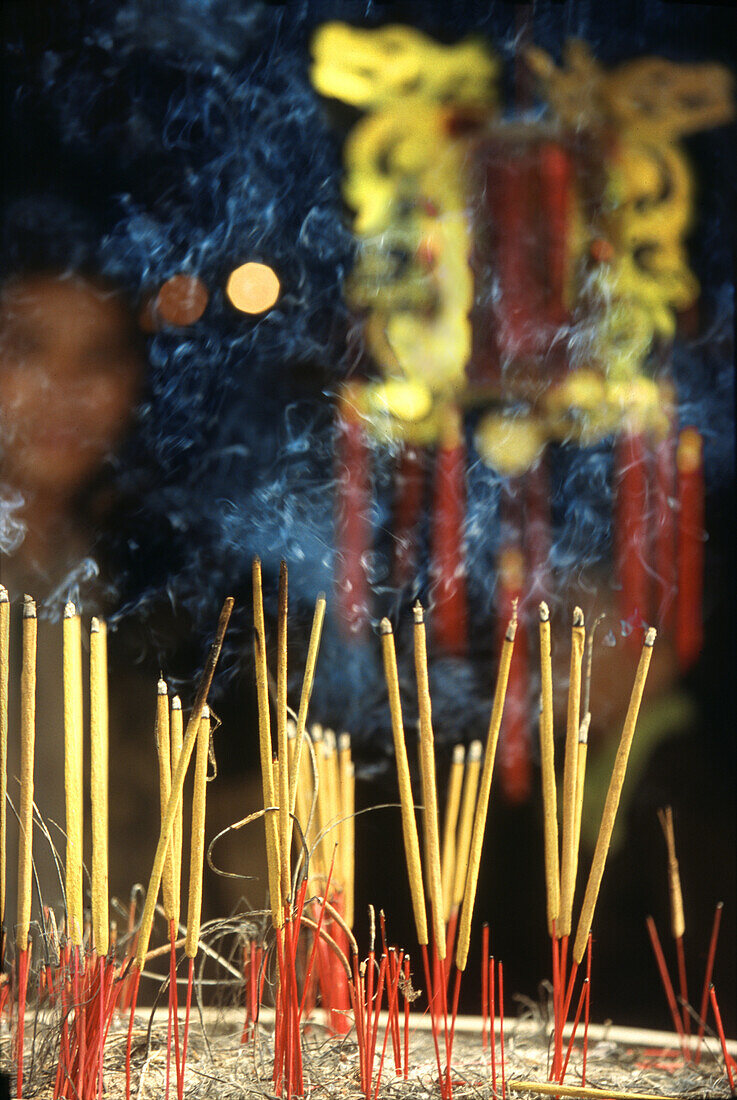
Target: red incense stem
x,y
492,1021
433,1019
407,512
556,998
682,986
392,999
689,621
375,1026
129,1042
720,1033
484,985
369,1014
664,537
586,1012
353,534
80,1017
631,529
501,1025
407,975
185,1036
21,1027
454,1014
316,940
581,999
395,969
707,976
449,620
665,979
359,1012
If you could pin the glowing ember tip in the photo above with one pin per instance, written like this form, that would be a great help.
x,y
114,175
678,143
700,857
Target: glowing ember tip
x,y
385,627
253,288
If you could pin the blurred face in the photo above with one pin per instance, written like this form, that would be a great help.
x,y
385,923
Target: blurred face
x,y
70,377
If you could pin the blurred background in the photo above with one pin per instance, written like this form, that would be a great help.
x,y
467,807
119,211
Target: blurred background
x,y
212,346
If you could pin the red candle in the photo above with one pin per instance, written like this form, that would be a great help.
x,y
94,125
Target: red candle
x,y
664,534
407,511
353,529
448,561
514,744
689,623
631,529
555,185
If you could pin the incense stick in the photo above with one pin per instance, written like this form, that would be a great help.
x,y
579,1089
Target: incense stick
x,y
197,836
176,733
4,679
27,746
177,783
465,828
285,834
427,763
304,699
482,804
163,749
73,773
583,745
450,826
409,824
271,827
567,871
585,1092
677,919
99,786
612,799
547,759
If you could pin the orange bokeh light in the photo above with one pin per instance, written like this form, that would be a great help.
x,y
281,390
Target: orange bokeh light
x,y
253,287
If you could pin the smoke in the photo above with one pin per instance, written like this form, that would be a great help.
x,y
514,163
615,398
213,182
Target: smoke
x,y
195,129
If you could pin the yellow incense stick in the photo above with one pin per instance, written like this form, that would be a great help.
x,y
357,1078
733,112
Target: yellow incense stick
x,y
584,1092
176,733
612,799
304,699
465,826
271,825
567,872
163,749
27,744
409,823
677,918
99,786
482,804
350,870
450,824
547,760
333,799
344,762
177,783
583,744
4,679
285,833
73,772
429,785
197,837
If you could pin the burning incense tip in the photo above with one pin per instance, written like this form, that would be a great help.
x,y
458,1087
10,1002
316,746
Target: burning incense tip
x,y
475,750
94,625
544,612
29,607
385,627
418,612
69,610
344,742
512,627
650,636
161,688
205,712
459,754
4,594
577,616
583,733
176,703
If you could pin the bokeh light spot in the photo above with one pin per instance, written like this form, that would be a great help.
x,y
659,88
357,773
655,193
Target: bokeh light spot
x,y
182,300
253,287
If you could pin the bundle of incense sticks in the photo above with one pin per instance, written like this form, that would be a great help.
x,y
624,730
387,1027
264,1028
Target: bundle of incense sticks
x,y
89,979
89,971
